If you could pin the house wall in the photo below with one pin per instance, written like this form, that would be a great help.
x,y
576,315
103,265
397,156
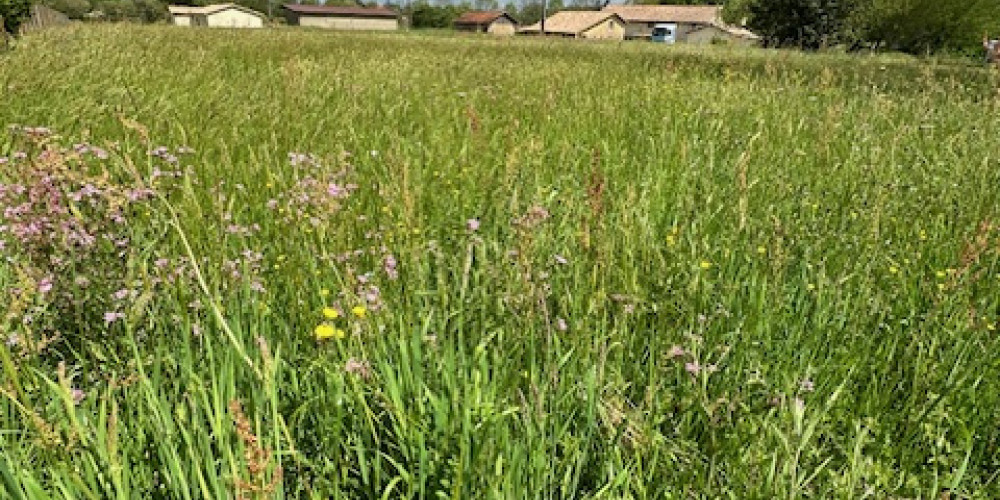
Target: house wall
x,y
645,30
182,20
609,29
234,18
350,23
502,26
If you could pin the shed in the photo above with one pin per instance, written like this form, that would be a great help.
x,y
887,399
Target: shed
x,y
692,23
342,18
581,24
487,21
225,15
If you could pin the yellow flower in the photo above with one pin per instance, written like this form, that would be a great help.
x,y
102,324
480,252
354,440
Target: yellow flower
x,y
359,311
893,269
671,240
761,250
705,265
325,332
330,313
923,235
324,293
940,274
810,287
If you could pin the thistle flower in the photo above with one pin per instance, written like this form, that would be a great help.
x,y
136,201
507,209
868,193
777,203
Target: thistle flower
x,y
692,367
111,317
676,352
45,286
360,368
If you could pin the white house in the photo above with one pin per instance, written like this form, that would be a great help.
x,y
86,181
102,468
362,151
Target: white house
x,y
225,15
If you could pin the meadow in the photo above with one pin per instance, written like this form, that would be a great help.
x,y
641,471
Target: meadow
x,y
299,264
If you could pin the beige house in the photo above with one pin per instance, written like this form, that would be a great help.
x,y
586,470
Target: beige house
x,y
225,15
581,24
493,22
692,23
342,18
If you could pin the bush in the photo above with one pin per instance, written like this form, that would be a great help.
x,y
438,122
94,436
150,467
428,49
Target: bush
x,y
14,13
74,9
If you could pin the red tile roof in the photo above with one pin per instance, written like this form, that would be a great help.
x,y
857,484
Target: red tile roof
x,y
695,14
481,17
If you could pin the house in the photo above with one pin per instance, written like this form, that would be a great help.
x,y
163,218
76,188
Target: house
x,y
226,15
685,23
42,17
493,22
581,24
342,18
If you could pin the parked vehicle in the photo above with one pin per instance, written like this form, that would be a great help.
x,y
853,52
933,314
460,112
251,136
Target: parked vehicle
x,y
664,33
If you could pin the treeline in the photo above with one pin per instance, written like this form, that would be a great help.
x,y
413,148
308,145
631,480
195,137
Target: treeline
x,y
914,26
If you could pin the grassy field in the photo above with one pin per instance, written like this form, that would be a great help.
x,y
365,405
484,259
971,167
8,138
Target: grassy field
x,y
302,264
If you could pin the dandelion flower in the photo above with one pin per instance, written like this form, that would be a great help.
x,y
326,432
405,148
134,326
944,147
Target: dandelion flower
x,y
705,265
325,332
359,311
330,313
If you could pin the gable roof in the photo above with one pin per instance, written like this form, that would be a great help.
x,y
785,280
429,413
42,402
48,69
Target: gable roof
x,y
572,22
694,14
340,11
480,17
184,10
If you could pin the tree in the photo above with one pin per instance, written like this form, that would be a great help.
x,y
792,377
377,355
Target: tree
x,y
13,13
809,24
920,26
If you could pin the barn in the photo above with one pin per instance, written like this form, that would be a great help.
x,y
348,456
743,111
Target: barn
x,y
687,23
225,15
488,21
342,18
581,24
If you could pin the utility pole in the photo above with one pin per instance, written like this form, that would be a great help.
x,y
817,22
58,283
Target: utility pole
x,y
545,13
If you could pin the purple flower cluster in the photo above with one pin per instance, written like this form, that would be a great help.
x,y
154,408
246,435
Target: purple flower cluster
x,y
170,156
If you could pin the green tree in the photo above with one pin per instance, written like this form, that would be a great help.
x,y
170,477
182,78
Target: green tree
x,y
809,24
74,9
920,26
14,13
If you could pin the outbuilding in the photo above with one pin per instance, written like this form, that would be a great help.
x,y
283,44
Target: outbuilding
x,y
581,24
680,23
488,21
342,18
226,15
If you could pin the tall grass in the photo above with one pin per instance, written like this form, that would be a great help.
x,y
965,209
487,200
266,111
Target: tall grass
x,y
692,272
